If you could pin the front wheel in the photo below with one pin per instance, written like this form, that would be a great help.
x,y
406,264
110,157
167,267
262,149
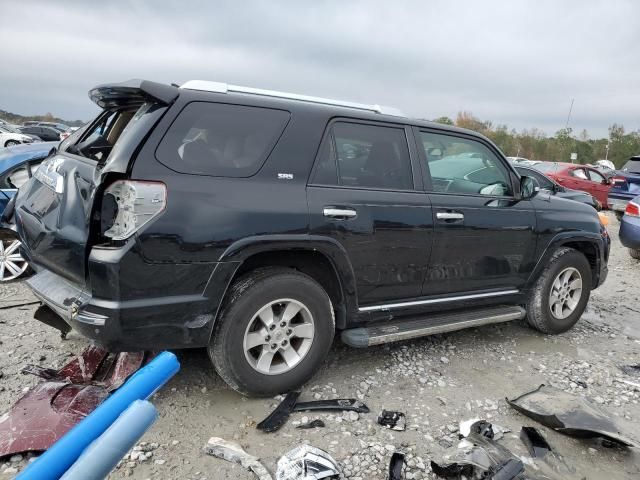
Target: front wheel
x,y
561,293
12,265
10,143
274,332
635,253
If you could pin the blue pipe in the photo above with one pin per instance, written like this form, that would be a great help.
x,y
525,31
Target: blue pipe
x,y
102,456
53,463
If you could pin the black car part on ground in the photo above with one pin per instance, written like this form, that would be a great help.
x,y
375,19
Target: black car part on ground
x,y
393,420
317,423
572,415
535,442
396,466
279,416
484,459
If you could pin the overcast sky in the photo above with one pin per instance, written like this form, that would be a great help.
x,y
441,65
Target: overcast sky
x,y
512,62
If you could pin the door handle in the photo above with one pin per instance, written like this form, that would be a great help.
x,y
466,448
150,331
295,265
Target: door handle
x,y
449,216
335,212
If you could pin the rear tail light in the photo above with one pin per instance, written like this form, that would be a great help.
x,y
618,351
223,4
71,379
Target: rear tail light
x,y
633,209
618,180
136,204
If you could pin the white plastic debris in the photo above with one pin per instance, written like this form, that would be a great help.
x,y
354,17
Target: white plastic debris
x,y
232,452
306,463
465,429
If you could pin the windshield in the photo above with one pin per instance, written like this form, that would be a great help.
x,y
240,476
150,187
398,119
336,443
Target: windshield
x,y
632,166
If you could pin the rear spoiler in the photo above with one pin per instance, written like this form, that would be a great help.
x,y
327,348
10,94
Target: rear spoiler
x,y
132,93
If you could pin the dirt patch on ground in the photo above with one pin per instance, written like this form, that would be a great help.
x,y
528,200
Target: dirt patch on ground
x,y
437,381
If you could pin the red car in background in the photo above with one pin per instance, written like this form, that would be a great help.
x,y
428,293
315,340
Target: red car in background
x,y
578,177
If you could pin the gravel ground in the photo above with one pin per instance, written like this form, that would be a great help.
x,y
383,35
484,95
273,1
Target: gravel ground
x,y
437,381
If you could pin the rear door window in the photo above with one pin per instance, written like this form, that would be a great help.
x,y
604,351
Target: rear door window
x,y
595,176
221,140
366,156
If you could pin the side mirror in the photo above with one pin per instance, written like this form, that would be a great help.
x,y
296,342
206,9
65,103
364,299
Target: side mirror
x,y
528,187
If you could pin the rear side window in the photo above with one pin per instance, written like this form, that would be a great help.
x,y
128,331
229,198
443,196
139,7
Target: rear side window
x,y
221,140
368,156
632,166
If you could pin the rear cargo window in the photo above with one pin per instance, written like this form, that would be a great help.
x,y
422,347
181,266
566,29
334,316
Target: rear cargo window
x,y
632,166
221,140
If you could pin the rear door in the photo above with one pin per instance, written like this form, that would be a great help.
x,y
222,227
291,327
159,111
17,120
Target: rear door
x,y
485,239
53,210
599,184
363,194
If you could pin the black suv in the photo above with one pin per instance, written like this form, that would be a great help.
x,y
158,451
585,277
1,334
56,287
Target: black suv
x,y
257,223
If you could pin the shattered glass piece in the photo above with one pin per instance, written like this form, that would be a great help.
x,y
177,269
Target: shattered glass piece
x,y
572,415
393,420
535,442
232,452
312,424
306,463
279,416
396,466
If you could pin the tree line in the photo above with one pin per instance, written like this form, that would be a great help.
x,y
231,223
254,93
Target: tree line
x,y
536,145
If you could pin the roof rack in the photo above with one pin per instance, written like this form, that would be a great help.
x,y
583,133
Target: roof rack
x,y
218,87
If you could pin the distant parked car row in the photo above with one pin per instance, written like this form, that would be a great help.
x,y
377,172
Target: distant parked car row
x,y
33,131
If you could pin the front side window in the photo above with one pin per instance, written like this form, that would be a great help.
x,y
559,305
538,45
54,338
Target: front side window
x,y
366,156
463,166
579,173
221,139
544,182
595,176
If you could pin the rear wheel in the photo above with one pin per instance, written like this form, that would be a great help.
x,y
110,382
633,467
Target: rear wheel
x,y
12,265
619,215
274,332
635,253
561,293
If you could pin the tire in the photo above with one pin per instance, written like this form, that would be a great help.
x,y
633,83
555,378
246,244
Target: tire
x,y
619,215
635,253
539,313
10,143
270,290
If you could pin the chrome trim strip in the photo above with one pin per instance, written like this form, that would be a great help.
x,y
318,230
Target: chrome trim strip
x,y
389,306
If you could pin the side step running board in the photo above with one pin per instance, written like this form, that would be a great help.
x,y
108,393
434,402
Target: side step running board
x,y
440,323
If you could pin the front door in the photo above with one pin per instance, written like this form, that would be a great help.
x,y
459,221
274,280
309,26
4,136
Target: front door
x,y
362,194
484,237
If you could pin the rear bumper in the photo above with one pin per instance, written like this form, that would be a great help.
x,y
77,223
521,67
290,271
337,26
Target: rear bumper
x,y
143,324
630,232
619,202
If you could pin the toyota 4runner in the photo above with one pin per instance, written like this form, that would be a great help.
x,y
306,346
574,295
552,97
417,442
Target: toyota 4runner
x,y
258,223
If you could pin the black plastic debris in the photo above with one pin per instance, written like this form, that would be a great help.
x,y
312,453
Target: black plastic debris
x,y
535,442
396,466
307,463
572,415
631,370
317,423
483,458
279,416
393,420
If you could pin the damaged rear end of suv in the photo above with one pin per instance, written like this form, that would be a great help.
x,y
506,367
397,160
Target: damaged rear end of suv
x,y
78,216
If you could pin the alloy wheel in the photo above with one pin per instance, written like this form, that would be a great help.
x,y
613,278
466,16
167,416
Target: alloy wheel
x,y
566,291
12,265
278,336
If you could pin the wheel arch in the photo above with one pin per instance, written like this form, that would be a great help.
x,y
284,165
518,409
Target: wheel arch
x,y
322,258
590,245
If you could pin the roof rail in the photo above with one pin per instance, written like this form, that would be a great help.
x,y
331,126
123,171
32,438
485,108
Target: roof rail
x,y
218,87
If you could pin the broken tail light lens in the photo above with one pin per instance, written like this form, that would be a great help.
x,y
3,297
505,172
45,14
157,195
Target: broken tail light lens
x,y
137,203
633,209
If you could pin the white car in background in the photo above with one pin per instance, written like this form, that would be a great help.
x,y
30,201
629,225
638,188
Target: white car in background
x,y
10,136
